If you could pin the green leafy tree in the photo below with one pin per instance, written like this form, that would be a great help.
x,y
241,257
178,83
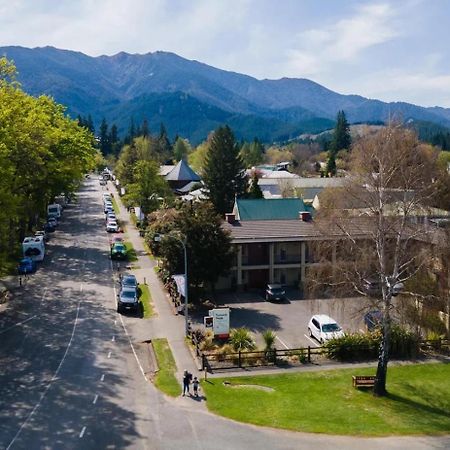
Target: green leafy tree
x,y
105,142
197,158
202,228
252,153
148,186
224,174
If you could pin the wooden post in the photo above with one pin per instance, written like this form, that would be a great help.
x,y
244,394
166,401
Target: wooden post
x,y
206,374
239,359
309,354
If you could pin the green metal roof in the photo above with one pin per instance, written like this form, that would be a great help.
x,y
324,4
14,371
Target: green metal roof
x,y
270,209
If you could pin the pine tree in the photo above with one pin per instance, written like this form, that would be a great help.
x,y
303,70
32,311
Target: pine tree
x,y
105,143
255,191
114,139
90,124
164,148
224,173
145,129
341,141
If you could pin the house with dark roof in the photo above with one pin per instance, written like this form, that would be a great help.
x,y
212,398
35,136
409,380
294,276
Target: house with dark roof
x,y
179,176
271,240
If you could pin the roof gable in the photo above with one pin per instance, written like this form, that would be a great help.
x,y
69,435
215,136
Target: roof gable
x,y
182,172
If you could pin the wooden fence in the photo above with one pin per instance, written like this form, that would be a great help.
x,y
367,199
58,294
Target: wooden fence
x,y
282,357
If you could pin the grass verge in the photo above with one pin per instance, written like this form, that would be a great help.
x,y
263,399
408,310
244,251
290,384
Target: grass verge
x,y
131,252
325,402
146,298
165,379
115,206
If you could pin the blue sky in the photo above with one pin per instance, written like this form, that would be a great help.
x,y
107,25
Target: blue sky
x,y
393,50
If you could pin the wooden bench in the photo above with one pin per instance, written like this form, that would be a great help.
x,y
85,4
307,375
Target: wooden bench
x,y
360,381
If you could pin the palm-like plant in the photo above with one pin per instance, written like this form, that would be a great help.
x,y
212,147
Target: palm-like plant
x,y
269,339
241,339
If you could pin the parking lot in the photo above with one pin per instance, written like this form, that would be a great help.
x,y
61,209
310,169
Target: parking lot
x,y
289,319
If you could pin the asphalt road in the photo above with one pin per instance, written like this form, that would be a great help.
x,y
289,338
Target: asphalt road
x,y
70,379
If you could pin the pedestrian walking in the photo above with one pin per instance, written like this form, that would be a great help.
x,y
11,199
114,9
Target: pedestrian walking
x,y
195,384
186,382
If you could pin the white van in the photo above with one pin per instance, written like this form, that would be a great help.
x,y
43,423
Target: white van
x,y
55,208
34,247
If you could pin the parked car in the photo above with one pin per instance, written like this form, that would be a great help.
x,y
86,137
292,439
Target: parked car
x,y
112,226
116,239
110,216
275,292
108,209
26,265
373,319
324,328
118,251
49,227
373,288
52,222
128,280
127,300
102,182
42,233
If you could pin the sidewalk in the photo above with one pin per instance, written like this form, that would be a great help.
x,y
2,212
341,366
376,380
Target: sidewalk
x,y
165,324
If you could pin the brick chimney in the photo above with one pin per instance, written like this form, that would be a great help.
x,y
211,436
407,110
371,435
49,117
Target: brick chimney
x,y
305,216
230,217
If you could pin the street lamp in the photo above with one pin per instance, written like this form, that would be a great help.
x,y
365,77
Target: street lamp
x,y
159,238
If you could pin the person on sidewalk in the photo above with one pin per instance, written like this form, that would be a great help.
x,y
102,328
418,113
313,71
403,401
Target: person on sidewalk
x,y
195,384
186,382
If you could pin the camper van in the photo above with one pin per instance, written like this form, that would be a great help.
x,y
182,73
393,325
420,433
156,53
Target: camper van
x,y
33,247
55,208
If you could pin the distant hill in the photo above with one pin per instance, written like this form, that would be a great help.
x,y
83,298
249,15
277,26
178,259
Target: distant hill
x,y
192,98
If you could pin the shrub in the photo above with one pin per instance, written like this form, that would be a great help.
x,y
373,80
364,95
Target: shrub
x,y
269,339
364,346
241,339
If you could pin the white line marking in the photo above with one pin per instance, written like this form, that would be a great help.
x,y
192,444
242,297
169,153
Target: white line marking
x,y
83,430
310,340
132,348
18,324
43,295
44,393
282,343
95,399
109,355
81,287
115,322
113,338
102,378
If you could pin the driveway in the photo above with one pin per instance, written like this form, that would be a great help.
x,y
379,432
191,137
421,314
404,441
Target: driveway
x,y
290,319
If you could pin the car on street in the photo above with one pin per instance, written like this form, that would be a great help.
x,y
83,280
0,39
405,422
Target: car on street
x,y
49,227
128,280
102,182
275,292
118,251
324,328
127,299
53,222
26,265
110,216
108,209
42,233
112,226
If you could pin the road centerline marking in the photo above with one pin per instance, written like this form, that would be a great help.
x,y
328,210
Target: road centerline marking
x,y
109,355
102,378
113,338
83,430
95,399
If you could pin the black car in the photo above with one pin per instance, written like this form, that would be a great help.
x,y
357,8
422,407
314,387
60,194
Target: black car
x,y
128,280
49,227
275,292
127,300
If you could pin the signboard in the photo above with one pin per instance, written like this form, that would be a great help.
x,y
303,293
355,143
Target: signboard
x,y
181,284
208,322
221,322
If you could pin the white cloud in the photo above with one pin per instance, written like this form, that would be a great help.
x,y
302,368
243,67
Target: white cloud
x,y
316,50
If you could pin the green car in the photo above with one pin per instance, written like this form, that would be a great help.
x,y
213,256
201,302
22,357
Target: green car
x,y
118,251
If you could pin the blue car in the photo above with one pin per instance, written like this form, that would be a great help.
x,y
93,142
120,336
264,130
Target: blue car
x,y
26,265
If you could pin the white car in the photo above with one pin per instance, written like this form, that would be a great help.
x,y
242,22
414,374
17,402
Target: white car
x,y
112,226
324,328
110,216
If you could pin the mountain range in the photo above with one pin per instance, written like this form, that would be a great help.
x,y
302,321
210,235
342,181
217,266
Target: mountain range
x,y
192,98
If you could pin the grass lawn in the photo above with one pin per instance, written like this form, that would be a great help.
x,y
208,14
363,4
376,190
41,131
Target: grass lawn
x,y
131,252
325,402
165,379
146,299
